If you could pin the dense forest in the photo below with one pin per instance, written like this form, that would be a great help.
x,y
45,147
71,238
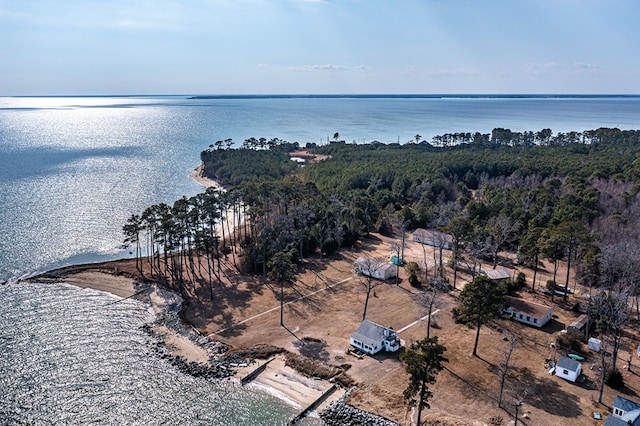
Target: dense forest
x,y
567,197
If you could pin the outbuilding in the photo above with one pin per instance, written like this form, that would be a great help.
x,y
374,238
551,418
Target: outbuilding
x,y
375,269
579,325
530,313
569,369
594,344
371,338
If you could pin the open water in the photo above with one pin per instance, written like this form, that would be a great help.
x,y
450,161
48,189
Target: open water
x,y
73,169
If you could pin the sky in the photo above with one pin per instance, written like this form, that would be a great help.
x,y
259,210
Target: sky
x,y
111,47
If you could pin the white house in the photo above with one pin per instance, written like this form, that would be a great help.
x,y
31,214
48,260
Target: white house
x,y
527,312
432,237
375,269
624,412
568,369
371,338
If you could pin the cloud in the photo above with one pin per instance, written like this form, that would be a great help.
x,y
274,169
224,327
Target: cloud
x,y
440,72
452,72
585,66
327,67
536,68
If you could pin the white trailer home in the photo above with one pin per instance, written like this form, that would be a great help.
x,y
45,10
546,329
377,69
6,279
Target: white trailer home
x,y
432,237
527,312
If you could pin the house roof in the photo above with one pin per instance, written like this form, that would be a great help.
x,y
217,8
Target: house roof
x,y
496,274
433,235
631,409
580,322
568,363
535,310
371,265
616,421
369,333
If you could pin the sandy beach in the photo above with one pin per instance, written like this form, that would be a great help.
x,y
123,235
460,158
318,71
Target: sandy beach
x,y
198,176
288,385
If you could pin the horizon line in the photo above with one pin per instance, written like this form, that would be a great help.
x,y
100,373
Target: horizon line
x,y
340,95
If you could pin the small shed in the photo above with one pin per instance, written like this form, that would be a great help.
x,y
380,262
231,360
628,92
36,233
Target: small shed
x,y
375,269
432,237
594,344
579,325
496,274
569,369
371,338
531,313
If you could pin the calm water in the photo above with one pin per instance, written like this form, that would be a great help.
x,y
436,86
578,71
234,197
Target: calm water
x,y
72,356
73,169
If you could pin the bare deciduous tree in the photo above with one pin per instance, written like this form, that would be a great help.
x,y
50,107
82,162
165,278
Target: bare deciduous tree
x,y
367,269
503,366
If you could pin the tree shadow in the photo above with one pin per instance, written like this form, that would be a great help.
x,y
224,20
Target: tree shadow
x,y
291,332
312,348
547,394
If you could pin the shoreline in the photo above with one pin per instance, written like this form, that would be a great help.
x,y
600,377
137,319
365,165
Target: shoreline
x,y
198,175
278,380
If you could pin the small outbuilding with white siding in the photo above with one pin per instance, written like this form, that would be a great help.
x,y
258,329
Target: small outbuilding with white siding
x,y
568,369
375,269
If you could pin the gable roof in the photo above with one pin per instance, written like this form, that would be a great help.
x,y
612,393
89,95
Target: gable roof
x,y
536,310
372,266
568,363
496,274
433,235
579,322
369,333
631,409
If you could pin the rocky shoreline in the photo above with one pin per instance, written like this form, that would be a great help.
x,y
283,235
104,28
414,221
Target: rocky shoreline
x,y
339,413
222,365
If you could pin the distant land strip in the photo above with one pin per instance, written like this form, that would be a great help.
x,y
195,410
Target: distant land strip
x,y
418,96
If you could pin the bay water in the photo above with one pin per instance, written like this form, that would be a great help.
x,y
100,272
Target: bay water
x,y
73,169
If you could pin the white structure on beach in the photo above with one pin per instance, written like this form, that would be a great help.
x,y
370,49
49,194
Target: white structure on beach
x,y
568,369
527,312
375,269
432,237
371,338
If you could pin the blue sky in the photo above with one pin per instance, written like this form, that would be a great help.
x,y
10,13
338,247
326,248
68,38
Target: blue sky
x,y
72,47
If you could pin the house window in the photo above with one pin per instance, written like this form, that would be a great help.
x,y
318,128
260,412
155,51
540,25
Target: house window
x,y
528,318
618,412
565,372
